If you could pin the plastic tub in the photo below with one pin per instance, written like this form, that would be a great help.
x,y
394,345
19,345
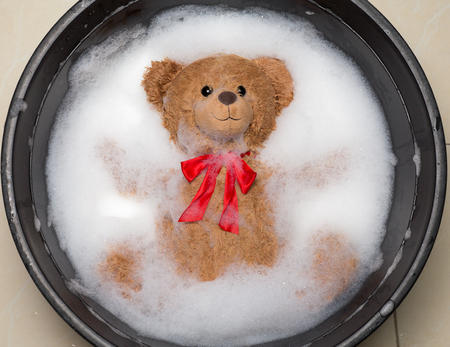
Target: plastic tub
x,y
354,26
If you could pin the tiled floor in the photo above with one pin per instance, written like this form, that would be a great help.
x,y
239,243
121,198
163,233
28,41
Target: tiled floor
x,y
423,319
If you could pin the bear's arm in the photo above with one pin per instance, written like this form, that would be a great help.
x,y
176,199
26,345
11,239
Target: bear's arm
x,y
130,180
316,174
325,170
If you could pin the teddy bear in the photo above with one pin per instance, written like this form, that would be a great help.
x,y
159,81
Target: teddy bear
x,y
219,111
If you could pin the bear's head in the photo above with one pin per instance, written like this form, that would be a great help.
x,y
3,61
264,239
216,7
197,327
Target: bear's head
x,y
222,102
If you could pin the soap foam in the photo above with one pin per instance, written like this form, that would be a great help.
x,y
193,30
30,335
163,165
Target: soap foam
x,y
334,113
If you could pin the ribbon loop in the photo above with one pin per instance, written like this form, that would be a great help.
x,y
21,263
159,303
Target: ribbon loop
x,y
247,176
237,169
192,168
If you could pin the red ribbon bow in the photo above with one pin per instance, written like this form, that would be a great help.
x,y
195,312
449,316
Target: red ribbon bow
x,y
237,169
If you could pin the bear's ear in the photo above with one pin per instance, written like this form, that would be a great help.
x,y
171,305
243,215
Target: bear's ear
x,y
281,79
157,80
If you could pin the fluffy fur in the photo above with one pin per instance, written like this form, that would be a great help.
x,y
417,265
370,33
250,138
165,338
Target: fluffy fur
x,y
220,104
202,248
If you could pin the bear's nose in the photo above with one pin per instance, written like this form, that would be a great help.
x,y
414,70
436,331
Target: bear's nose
x,y
227,98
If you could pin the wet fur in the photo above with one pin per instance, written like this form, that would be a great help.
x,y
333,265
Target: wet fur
x,y
201,249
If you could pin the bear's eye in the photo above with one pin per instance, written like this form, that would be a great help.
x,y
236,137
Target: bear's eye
x,y
241,90
206,90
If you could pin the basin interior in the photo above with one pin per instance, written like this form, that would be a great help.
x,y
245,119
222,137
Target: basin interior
x,y
349,27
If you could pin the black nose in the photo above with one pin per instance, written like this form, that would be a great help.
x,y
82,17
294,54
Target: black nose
x,y
227,98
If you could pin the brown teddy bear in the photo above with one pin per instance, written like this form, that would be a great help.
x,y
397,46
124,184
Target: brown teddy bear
x,y
219,111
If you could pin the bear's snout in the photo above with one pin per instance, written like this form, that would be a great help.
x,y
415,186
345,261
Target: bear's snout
x,y
227,98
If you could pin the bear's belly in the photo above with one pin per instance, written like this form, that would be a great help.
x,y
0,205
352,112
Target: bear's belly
x,y
204,250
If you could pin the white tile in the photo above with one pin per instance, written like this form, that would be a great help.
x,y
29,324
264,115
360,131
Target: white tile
x,y
425,26
26,318
424,315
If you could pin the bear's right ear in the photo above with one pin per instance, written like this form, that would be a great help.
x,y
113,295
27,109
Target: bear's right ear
x,y
157,80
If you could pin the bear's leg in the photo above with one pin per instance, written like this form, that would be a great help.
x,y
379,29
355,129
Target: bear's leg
x,y
122,266
258,243
334,264
199,249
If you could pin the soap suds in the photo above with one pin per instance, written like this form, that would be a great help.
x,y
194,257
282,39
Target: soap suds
x,y
329,122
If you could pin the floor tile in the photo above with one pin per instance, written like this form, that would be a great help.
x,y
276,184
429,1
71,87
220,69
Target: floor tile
x,y
26,318
424,315
26,23
425,26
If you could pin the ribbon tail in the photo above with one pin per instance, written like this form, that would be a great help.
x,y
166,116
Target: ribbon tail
x,y
197,207
245,176
229,220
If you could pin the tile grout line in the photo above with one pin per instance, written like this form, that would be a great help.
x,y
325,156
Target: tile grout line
x,y
397,338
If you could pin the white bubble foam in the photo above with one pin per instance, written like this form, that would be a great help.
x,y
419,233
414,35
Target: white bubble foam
x,y
333,114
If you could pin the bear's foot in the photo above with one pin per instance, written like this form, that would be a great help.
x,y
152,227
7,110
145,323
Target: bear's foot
x,y
122,266
334,264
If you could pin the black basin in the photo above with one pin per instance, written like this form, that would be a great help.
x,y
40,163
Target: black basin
x,y
354,26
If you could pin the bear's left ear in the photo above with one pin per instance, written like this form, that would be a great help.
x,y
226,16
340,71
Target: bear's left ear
x,y
281,79
157,80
